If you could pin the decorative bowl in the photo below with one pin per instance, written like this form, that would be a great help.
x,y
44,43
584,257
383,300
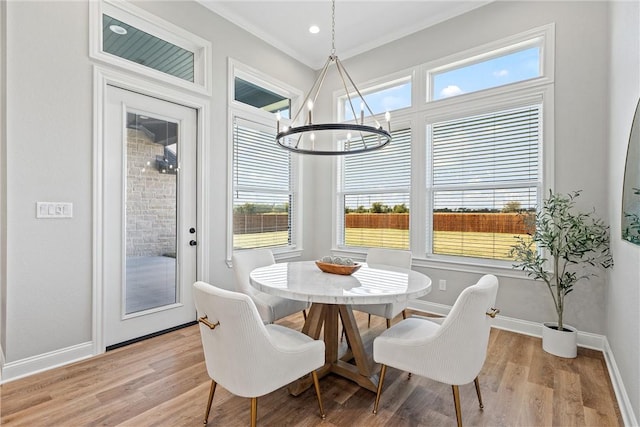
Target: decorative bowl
x,y
345,270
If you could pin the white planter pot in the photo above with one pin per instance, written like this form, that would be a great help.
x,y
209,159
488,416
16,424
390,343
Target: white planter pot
x,y
559,343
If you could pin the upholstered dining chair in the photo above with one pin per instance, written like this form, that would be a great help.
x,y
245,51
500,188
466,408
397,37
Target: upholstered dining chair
x,y
247,357
452,352
395,258
270,307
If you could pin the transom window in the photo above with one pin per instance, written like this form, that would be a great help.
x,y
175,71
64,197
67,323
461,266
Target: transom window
x,y
392,96
479,73
128,37
260,97
132,44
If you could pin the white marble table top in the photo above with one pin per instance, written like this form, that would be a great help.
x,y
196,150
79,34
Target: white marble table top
x,y
304,281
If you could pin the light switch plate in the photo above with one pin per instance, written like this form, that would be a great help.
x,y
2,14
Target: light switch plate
x,y
54,210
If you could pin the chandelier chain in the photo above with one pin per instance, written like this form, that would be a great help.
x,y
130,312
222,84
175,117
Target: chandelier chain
x,y
333,27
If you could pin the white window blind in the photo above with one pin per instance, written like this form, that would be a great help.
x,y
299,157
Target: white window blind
x,y
375,196
262,194
485,170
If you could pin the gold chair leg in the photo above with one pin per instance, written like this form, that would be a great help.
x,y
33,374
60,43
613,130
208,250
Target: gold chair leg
x,y
383,371
477,383
388,323
456,402
212,390
316,385
369,322
254,411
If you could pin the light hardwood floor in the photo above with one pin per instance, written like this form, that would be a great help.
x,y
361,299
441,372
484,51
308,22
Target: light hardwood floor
x,y
163,382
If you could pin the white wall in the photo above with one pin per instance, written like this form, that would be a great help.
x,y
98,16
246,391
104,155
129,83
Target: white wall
x,y
623,292
49,99
49,158
581,146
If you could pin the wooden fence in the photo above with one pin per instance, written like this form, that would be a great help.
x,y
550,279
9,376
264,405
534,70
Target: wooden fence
x,y
377,220
442,221
259,223
511,223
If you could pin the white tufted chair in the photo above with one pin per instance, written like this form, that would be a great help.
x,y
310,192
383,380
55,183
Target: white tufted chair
x,y
452,352
247,357
395,258
270,307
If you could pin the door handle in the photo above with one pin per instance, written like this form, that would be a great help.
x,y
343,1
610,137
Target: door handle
x,y
192,243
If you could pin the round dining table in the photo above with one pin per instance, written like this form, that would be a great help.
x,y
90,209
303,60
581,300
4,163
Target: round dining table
x,y
331,296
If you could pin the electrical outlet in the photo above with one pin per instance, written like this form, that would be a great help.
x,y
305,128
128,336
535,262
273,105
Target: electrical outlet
x,y
442,285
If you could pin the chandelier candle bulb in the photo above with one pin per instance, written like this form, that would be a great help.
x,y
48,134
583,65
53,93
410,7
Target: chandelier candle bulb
x,y
310,107
362,113
278,122
387,117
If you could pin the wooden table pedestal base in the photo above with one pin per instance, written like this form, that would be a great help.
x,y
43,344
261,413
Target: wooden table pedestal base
x,y
363,371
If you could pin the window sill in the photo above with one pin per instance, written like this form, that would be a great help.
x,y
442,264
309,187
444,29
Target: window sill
x,y
441,262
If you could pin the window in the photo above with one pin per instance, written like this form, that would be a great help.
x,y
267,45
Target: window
x,y
263,189
259,97
500,70
485,173
127,42
375,196
131,38
390,97
459,182
262,195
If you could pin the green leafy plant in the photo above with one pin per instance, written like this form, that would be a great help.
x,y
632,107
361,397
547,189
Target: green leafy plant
x,y
571,241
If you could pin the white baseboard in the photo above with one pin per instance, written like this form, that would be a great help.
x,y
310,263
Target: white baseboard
x,y
626,410
43,362
1,362
585,339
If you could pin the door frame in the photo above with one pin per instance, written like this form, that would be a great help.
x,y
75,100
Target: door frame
x,y
101,78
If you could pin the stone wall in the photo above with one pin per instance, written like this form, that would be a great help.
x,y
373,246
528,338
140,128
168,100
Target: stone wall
x,y
151,200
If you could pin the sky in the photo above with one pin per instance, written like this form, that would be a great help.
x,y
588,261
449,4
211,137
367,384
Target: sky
x,y
514,67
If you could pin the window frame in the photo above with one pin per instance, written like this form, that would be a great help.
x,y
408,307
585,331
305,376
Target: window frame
x,y
264,118
404,122
154,25
538,90
478,109
543,36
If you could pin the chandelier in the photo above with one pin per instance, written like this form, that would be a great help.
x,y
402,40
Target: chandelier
x,y
361,135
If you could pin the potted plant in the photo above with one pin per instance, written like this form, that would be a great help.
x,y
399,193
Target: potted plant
x,y
562,250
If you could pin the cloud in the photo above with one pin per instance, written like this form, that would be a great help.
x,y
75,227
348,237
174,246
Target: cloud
x,y
501,73
450,90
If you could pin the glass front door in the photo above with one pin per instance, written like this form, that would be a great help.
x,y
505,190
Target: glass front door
x,y
150,213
